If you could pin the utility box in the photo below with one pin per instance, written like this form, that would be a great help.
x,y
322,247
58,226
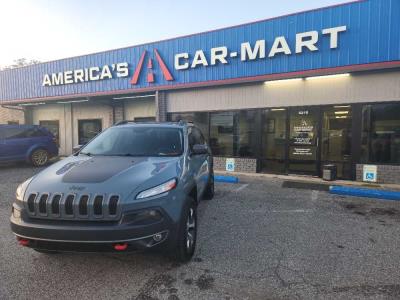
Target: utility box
x,y
329,172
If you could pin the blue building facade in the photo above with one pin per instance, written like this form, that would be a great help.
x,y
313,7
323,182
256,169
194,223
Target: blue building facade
x,y
354,36
310,93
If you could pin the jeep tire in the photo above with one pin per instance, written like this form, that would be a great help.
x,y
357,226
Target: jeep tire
x,y
185,245
209,191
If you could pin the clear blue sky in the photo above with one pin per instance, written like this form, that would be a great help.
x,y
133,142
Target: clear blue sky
x,y
53,29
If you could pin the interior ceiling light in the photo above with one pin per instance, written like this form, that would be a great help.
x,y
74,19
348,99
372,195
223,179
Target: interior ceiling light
x,y
278,109
344,112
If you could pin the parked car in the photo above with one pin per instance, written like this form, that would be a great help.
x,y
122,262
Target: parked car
x,y
30,143
134,186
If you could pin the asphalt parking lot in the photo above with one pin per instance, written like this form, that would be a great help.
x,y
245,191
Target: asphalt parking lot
x,y
257,240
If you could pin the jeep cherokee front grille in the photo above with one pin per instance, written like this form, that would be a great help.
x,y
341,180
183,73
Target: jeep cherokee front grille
x,y
98,205
73,206
83,205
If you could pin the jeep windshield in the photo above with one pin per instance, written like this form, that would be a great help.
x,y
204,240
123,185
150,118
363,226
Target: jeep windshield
x,y
136,141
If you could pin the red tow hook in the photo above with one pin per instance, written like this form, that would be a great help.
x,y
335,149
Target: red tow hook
x,y
23,242
121,247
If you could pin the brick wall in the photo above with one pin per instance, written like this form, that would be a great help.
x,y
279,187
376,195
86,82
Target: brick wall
x,y
386,174
7,115
245,165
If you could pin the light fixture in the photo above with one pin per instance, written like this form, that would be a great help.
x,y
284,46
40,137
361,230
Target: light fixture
x,y
31,104
283,80
341,106
328,76
344,112
132,97
278,109
340,117
72,101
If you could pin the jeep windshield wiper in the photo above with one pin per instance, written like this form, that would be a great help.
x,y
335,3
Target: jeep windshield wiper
x,y
87,154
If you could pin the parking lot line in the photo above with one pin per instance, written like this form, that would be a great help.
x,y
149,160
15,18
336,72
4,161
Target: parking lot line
x,y
242,187
293,211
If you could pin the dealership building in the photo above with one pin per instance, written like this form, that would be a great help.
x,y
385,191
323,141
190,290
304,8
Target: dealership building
x,y
286,95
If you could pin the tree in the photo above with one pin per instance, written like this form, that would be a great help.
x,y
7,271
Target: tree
x,y
20,62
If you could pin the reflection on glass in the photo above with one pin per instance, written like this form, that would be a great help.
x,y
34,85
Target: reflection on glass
x,y
381,133
200,119
336,139
88,129
246,141
274,140
54,127
222,133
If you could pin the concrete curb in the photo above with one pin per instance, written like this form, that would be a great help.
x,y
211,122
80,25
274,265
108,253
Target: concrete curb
x,y
368,193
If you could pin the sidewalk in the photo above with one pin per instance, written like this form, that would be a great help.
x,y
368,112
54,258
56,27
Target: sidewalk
x,y
315,180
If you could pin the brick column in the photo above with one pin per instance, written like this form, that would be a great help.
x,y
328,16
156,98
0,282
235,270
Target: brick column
x,y
118,112
161,106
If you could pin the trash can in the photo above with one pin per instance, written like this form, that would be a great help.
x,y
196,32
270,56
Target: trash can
x,y
329,172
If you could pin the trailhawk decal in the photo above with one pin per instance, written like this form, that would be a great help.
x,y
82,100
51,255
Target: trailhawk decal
x,y
260,49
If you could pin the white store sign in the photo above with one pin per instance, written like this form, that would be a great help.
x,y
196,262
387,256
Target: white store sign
x,y
370,173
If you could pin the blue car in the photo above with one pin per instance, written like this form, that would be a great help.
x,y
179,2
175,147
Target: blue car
x,y
30,143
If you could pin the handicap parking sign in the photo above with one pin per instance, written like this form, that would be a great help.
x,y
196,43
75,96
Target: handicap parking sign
x,y
370,176
230,165
369,173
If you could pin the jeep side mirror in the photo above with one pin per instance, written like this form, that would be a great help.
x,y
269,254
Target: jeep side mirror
x,y
199,149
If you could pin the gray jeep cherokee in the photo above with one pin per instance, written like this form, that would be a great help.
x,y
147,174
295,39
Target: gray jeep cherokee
x,y
134,186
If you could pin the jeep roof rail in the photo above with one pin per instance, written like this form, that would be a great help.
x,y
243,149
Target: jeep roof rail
x,y
122,122
183,122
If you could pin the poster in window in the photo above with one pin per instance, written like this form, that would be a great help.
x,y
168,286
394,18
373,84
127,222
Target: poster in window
x,y
271,126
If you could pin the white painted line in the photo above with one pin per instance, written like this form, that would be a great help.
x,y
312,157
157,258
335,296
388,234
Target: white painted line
x,y
293,211
314,195
242,187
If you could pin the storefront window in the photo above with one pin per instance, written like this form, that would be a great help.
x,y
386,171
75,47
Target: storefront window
x,y
381,134
247,140
88,129
222,133
233,133
200,119
274,140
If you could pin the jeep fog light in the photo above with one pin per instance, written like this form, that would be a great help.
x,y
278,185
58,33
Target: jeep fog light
x,y
157,190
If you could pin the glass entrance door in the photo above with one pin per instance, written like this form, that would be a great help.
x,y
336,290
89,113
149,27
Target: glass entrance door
x,y
304,141
336,139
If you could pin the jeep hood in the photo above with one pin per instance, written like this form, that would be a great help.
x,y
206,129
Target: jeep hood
x,y
105,174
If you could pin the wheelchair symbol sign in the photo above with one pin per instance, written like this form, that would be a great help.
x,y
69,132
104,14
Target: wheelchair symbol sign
x,y
370,176
370,173
230,165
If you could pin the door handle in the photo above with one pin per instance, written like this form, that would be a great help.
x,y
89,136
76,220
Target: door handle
x,y
317,142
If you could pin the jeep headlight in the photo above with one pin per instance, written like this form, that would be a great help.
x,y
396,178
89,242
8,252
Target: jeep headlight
x,y
157,190
20,192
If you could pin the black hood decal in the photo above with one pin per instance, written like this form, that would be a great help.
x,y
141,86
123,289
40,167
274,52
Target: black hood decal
x,y
98,169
